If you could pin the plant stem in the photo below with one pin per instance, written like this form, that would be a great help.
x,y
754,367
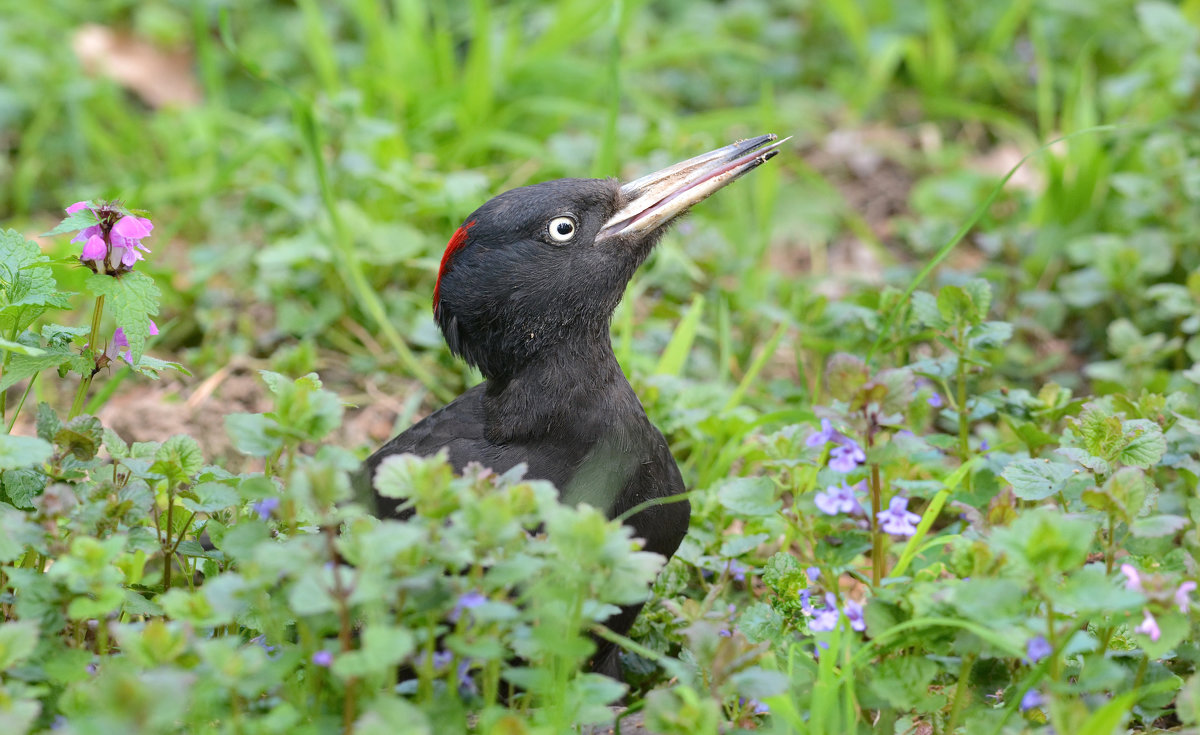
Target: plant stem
x,y
879,540
93,340
20,404
960,692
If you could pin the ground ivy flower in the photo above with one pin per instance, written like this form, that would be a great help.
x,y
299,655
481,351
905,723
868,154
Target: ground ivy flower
x,y
854,613
442,659
1181,596
897,519
1033,698
467,601
265,507
846,453
1133,579
1037,649
1149,626
935,400
323,658
805,606
837,499
827,617
846,456
814,573
736,570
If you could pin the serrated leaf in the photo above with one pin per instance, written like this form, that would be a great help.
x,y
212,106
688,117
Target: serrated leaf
x,y
1036,479
178,459
23,451
134,301
1146,444
749,496
22,486
47,422
760,622
116,446
925,308
1081,457
740,544
152,366
1101,431
954,303
81,436
980,292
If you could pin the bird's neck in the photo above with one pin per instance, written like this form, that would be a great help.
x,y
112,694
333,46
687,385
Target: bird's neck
x,y
560,391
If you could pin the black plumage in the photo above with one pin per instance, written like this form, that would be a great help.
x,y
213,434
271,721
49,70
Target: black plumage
x,y
526,292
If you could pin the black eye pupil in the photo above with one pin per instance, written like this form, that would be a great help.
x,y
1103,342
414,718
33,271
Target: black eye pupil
x,y
564,228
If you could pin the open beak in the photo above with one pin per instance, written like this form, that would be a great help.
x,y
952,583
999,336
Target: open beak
x,y
656,199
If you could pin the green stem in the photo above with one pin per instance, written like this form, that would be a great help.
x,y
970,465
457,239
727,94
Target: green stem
x,y
20,404
960,692
93,341
879,539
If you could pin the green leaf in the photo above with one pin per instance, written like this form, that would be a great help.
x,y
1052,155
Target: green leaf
x,y
740,544
925,307
760,622
20,349
980,293
73,222
133,298
47,422
1146,444
1156,526
988,335
675,354
178,459
845,374
1036,479
383,647
749,496
81,436
1102,433
25,366
17,641
23,451
953,303
209,497
22,486
253,434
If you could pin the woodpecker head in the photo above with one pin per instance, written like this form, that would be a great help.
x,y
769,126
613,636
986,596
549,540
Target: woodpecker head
x,y
544,266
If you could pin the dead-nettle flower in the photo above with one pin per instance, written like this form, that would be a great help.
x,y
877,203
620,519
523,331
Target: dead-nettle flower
x,y
1149,626
119,347
114,244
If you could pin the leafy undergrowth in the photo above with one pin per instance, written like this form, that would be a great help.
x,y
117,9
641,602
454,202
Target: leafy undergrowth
x,y
942,435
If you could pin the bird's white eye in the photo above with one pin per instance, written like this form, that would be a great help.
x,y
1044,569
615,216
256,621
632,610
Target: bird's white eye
x,y
562,229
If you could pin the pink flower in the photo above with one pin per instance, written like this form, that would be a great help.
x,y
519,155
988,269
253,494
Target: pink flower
x,y
120,343
1149,626
115,236
94,248
1134,579
77,206
1181,596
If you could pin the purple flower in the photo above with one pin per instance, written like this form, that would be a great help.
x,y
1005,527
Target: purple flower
x,y
442,659
467,601
805,606
736,569
854,613
94,248
466,685
1134,580
261,642
725,633
115,236
265,507
984,446
846,456
77,206
935,400
1181,596
1037,649
1033,698
897,520
837,499
827,617
756,707
824,436
323,658
814,573
1149,626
